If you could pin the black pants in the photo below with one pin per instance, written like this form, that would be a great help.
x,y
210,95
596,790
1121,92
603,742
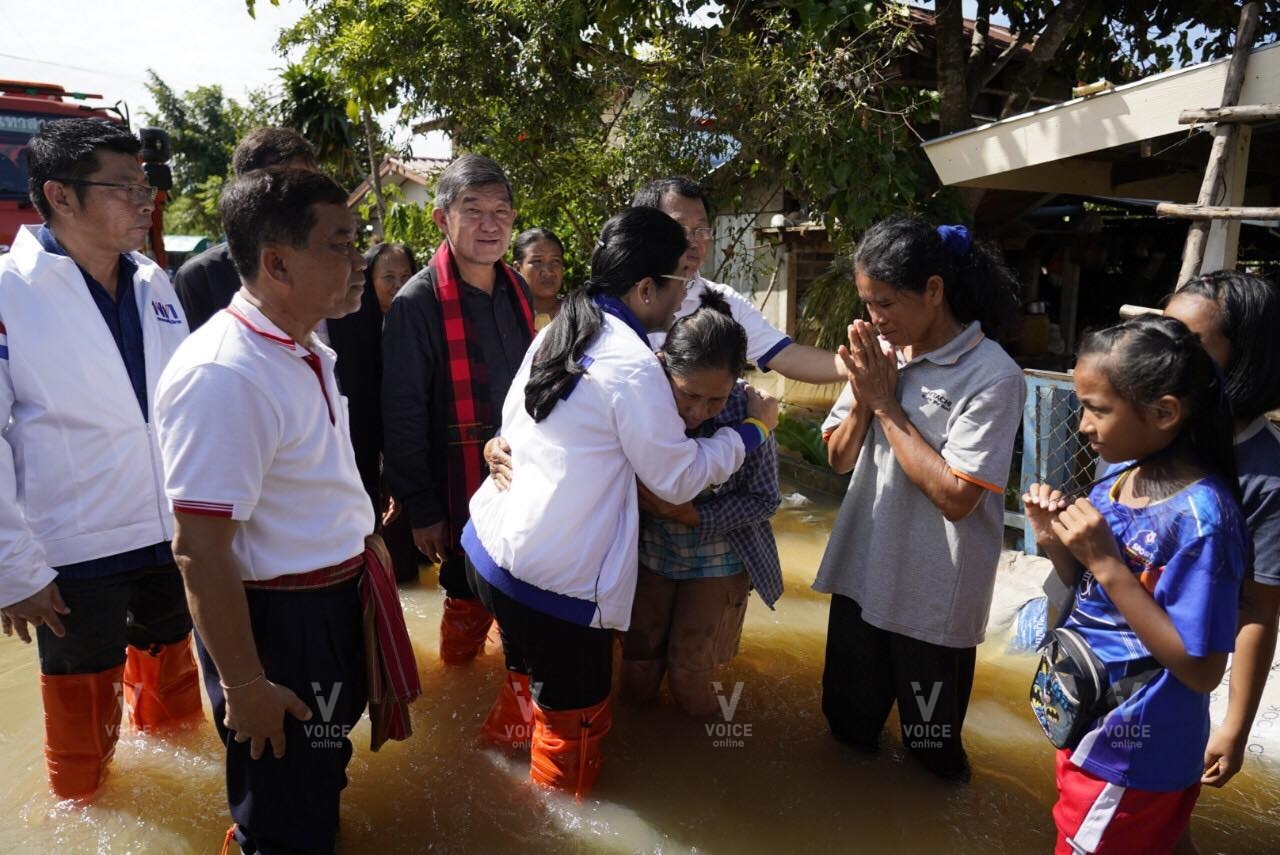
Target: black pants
x,y
144,608
570,667
454,578
867,669
312,643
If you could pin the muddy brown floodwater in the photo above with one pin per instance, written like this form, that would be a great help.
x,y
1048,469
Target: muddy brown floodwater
x,y
769,780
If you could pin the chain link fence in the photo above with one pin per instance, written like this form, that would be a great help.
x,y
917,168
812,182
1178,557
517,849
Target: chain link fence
x,y
1053,451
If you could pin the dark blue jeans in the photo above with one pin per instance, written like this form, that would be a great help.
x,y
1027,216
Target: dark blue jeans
x,y
312,643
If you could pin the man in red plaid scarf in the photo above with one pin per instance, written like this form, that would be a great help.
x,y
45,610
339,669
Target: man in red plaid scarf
x,y
452,342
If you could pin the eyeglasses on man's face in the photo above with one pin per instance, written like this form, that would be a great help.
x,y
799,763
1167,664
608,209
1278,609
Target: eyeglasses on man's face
x,y
700,233
139,194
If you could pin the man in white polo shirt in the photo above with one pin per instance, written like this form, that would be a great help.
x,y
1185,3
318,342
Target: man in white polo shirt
x,y
274,529
769,348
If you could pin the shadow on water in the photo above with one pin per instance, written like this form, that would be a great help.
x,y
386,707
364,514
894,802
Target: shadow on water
x,y
762,776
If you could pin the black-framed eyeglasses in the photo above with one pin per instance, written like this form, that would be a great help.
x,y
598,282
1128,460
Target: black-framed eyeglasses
x,y
139,194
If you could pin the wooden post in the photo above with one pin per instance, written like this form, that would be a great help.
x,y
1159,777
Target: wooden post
x,y
1223,136
1223,242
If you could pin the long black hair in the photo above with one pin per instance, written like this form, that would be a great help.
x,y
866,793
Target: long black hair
x,y
1148,357
709,338
1249,318
904,252
633,245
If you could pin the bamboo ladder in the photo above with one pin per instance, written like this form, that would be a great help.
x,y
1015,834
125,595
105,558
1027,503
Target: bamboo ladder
x,y
1227,119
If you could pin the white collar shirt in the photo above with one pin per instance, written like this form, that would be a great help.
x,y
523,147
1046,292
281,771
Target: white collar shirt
x,y
252,428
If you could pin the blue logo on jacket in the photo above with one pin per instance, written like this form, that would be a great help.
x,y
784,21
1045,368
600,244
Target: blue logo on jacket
x,y
166,312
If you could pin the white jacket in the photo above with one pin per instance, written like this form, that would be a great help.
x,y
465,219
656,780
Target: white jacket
x,y
570,522
80,470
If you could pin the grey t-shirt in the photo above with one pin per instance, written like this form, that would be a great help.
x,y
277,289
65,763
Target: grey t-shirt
x,y
891,550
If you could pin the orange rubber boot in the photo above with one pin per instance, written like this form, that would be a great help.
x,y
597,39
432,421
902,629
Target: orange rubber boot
x,y
161,687
463,627
565,753
81,725
510,719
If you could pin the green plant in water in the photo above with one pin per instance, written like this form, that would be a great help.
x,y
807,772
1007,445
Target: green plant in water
x,y
803,437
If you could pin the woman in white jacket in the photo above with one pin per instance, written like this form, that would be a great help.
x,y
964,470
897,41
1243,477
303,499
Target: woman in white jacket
x,y
554,556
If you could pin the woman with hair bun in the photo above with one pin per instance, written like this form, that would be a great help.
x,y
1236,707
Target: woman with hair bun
x,y
699,560
927,424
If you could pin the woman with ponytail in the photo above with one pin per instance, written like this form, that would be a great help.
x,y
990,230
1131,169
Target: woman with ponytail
x,y
927,424
554,556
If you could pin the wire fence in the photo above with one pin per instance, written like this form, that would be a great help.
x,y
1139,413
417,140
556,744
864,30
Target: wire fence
x,y
1053,451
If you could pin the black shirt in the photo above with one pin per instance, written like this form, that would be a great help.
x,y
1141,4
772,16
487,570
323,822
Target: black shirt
x,y
501,335
206,284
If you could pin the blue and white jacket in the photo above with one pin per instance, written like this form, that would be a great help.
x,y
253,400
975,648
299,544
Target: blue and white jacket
x,y
80,470
563,539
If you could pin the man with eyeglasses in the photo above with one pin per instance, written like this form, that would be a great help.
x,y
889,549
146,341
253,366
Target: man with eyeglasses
x,y
452,342
769,348
87,324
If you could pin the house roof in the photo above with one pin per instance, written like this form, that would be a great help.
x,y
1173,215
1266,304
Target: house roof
x,y
1094,145
419,170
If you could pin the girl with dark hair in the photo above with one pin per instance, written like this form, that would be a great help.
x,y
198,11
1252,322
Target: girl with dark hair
x,y
1162,545
1236,315
388,267
700,559
553,557
538,256
927,424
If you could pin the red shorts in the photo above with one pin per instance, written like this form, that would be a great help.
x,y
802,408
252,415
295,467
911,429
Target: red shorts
x,y
1096,816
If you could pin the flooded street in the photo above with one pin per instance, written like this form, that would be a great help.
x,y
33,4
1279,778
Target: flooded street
x,y
770,780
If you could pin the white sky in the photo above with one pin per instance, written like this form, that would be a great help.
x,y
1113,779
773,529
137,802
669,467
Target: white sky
x,y
106,46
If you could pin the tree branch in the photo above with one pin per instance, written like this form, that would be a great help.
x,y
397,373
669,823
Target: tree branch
x,y
1061,23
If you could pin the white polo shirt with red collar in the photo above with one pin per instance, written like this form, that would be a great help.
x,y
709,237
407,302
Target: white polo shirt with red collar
x,y
252,428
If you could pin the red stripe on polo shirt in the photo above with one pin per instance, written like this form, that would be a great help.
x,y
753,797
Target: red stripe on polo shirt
x,y
282,340
204,509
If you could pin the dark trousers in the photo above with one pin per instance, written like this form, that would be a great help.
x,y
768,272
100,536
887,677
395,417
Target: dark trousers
x,y
144,608
867,669
454,578
570,667
311,642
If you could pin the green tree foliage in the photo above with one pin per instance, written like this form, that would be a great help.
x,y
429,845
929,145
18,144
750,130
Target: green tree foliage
x,y
582,102
203,126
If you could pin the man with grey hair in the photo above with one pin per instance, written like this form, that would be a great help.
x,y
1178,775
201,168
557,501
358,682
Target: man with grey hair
x,y
452,342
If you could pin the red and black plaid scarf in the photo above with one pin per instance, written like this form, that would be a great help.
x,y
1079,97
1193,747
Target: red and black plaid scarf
x,y
471,421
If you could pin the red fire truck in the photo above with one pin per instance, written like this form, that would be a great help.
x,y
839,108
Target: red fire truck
x,y
24,108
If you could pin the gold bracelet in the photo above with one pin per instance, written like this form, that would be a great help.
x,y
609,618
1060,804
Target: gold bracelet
x,y
757,423
250,682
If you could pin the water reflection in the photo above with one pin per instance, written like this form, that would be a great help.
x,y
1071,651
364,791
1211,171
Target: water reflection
x,y
667,784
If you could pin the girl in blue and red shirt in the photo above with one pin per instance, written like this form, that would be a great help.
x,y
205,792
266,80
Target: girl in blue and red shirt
x,y
1163,548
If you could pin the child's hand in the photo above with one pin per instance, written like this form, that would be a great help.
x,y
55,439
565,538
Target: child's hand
x,y
1085,532
1042,504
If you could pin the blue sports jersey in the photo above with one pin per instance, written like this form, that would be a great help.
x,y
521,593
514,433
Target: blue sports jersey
x,y
1189,552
